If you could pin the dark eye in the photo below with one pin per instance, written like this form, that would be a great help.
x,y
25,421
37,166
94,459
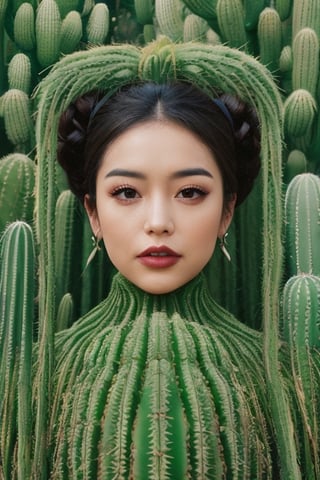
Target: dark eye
x,y
191,192
125,193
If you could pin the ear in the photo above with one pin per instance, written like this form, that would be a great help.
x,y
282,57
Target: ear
x,y
92,215
227,215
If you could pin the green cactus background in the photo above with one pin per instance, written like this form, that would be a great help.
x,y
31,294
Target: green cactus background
x,y
272,283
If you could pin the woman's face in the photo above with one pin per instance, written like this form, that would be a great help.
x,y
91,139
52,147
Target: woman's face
x,y
159,205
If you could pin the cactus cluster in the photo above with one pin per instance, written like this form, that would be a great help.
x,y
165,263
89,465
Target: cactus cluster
x,y
54,50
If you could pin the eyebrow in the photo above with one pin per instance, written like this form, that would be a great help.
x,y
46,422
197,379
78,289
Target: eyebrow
x,y
187,172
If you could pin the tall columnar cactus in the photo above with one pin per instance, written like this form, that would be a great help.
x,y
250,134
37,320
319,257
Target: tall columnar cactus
x,y
269,26
17,296
68,244
302,215
301,328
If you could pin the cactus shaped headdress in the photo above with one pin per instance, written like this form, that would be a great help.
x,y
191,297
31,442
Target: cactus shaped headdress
x,y
219,68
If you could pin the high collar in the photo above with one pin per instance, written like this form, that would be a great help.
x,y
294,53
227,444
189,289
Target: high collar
x,y
126,302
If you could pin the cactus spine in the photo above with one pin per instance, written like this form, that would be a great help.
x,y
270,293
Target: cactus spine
x,y
17,291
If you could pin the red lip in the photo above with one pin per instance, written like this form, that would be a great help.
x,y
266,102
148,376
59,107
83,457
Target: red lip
x,y
160,249
162,261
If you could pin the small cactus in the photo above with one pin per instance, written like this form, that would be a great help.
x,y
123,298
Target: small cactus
x,y
24,27
17,180
98,24
299,113
19,73
301,311
269,37
71,32
48,32
305,55
17,117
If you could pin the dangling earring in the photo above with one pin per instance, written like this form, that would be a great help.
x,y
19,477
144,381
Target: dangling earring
x,y
223,243
96,248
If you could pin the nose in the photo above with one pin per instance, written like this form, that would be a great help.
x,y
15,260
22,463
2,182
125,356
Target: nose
x,y
159,219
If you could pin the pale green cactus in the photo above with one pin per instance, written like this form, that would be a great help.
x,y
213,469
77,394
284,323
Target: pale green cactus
x,y
302,214
17,179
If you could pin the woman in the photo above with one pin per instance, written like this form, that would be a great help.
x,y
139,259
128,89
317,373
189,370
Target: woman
x,y
160,169
158,381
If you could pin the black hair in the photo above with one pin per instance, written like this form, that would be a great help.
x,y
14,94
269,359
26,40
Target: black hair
x,y
87,128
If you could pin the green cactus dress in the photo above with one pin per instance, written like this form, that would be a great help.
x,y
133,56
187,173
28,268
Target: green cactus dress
x,y
160,387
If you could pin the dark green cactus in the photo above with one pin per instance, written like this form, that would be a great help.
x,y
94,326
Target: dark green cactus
x,y
68,234
71,32
17,295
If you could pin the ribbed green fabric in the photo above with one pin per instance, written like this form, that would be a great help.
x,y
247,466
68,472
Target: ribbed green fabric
x,y
160,387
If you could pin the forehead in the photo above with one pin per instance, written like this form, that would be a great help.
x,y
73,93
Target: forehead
x,y
158,145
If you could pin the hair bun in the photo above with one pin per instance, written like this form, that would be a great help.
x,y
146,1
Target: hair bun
x,y
247,142
72,138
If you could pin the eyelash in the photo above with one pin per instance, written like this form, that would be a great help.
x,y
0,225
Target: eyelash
x,y
123,188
